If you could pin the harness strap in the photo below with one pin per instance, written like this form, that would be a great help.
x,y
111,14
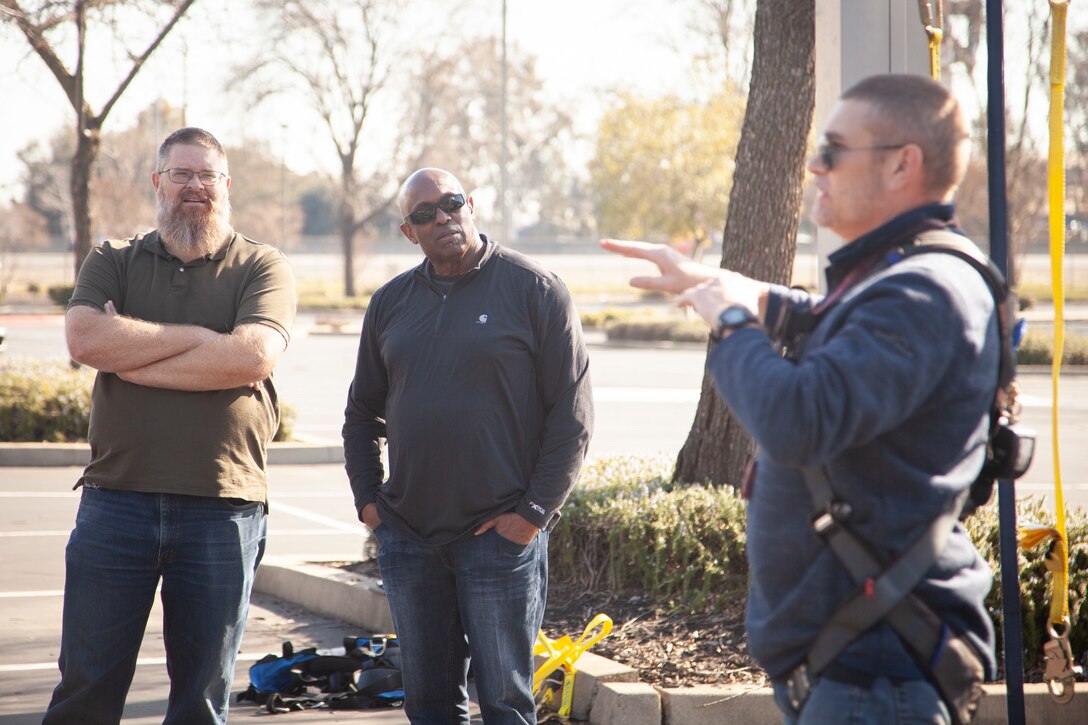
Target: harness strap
x,y
880,589
885,595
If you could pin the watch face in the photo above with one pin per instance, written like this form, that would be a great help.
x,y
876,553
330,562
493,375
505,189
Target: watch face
x,y
734,317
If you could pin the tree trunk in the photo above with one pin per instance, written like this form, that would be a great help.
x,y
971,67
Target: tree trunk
x,y
87,145
764,208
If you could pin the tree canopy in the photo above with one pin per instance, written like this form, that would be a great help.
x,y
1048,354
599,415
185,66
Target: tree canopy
x,y
663,168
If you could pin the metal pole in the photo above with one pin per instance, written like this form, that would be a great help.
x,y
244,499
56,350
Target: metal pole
x,y
283,185
504,180
999,252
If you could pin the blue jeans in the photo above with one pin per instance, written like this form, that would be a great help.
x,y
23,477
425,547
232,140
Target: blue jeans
x,y
884,703
483,597
205,551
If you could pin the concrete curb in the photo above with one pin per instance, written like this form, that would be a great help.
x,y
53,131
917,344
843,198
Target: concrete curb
x,y
79,454
607,692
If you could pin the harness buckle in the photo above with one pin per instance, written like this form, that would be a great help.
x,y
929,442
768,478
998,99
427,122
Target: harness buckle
x,y
1060,674
837,512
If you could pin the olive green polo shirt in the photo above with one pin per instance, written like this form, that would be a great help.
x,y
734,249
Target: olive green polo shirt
x,y
156,440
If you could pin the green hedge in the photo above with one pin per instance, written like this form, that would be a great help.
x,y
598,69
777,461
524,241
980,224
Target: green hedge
x,y
1034,578
323,295
667,330
1037,348
60,294
626,528
648,324
629,530
50,401
43,401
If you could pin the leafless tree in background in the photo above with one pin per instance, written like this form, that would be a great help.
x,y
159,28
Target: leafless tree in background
x,y
338,56
47,27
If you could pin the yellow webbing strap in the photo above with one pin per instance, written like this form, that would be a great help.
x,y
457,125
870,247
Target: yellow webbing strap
x,y
1060,673
1056,188
933,24
564,653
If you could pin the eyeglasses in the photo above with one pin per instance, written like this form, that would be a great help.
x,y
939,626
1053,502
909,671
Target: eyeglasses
x,y
425,213
184,176
829,151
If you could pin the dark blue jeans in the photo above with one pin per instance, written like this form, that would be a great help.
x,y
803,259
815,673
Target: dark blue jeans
x,y
913,702
205,551
482,597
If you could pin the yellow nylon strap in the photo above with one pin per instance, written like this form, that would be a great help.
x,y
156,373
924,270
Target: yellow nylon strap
x,y
935,36
1057,563
1056,194
933,26
564,653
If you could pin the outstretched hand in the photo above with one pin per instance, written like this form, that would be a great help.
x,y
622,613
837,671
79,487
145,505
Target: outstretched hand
x,y
707,290
678,273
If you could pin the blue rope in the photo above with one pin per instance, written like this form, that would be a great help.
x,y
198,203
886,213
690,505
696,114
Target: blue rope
x,y
999,252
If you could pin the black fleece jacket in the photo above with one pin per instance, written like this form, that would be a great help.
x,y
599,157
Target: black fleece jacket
x,y
481,391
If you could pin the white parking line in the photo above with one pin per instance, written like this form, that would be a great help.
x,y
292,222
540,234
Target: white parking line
x,y
33,534
32,593
645,395
317,518
314,532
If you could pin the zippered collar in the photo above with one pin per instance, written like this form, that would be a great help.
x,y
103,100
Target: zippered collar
x,y
425,271
869,246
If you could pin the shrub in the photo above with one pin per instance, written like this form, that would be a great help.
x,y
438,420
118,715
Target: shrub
x,y
1037,348
318,295
43,401
286,429
1042,291
626,528
1034,578
61,293
50,401
629,530
600,319
661,329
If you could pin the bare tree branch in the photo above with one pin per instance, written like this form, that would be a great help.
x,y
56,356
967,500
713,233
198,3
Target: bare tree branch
x,y
138,64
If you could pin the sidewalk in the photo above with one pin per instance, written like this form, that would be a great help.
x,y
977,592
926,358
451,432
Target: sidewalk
x,y
606,692
312,603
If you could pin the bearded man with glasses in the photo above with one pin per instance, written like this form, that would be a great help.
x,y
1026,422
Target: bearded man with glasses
x,y
473,371
184,325
885,397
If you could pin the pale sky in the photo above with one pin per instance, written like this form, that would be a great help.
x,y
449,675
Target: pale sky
x,y
583,48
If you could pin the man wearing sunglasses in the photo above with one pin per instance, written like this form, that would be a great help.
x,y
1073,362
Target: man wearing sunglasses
x,y
473,371
184,325
887,398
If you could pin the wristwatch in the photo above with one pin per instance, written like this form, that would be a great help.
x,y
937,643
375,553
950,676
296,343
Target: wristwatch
x,y
732,318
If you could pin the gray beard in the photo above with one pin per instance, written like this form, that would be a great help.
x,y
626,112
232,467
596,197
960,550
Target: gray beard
x,y
192,236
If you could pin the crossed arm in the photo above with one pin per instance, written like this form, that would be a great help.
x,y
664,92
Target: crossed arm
x,y
176,357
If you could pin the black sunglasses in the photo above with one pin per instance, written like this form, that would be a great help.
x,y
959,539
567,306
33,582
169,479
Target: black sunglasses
x,y
425,213
829,151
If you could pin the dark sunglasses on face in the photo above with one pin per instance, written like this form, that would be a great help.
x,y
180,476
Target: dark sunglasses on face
x,y
425,213
829,151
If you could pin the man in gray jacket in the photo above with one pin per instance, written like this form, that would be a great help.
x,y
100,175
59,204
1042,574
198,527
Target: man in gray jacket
x,y
473,370
889,397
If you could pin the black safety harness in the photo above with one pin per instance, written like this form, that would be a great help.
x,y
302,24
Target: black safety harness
x,y
884,589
